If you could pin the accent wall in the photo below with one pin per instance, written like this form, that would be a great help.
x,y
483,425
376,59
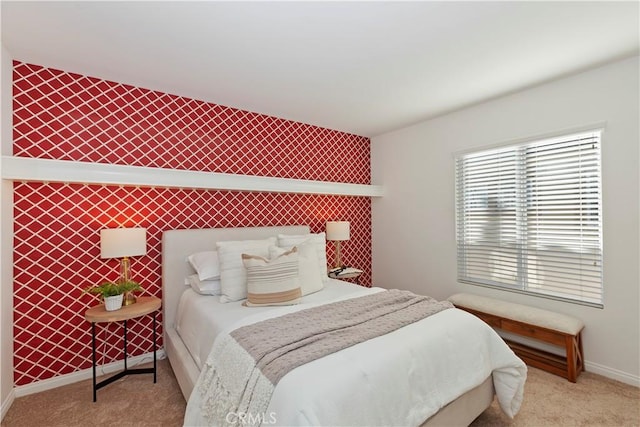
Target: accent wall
x,y
66,116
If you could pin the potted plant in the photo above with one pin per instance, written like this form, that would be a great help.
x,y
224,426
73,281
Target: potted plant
x,y
112,292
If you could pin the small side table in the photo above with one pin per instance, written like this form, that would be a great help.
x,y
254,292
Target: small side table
x,y
98,314
346,273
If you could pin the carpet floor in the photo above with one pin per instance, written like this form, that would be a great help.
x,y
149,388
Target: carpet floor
x,y
136,401
550,400
131,401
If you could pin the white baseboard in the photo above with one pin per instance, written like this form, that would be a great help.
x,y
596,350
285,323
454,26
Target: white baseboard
x,y
6,404
83,375
612,373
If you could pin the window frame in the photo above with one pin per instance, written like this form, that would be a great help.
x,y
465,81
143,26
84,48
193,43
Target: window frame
x,y
521,247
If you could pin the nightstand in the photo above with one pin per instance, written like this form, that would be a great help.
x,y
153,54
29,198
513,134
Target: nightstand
x,y
98,314
346,273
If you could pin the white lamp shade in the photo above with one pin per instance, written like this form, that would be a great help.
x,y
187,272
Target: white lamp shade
x,y
337,230
123,242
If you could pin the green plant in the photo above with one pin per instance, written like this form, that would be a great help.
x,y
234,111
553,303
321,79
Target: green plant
x,y
110,289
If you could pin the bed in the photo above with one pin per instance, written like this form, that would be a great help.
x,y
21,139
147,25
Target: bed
x,y
368,391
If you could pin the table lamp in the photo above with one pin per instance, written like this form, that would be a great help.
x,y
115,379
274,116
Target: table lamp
x,y
338,231
123,243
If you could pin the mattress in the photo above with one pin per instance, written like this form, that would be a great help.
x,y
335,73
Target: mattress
x,y
201,318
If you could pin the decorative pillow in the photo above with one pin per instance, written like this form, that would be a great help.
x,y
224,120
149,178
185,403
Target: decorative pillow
x,y
233,276
310,277
206,264
289,240
204,287
272,282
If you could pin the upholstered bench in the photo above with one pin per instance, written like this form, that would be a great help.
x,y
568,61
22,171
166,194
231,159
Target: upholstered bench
x,y
543,325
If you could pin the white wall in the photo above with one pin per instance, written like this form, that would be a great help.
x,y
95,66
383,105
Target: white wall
x,y
6,238
414,224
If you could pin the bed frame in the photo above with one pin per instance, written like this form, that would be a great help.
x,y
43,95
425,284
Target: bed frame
x,y
177,245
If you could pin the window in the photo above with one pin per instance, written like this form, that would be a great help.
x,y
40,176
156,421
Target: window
x,y
528,218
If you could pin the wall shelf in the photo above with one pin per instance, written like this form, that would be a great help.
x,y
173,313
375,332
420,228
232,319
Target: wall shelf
x,y
44,170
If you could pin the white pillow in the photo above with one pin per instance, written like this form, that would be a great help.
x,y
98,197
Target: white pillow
x,y
272,282
204,287
233,275
310,277
289,240
206,264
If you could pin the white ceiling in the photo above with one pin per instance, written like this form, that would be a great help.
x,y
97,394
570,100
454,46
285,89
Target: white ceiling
x,y
361,67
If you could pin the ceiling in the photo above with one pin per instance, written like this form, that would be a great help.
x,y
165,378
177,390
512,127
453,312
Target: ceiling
x,y
361,67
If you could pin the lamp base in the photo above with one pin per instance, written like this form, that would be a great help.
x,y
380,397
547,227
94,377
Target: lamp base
x,y
129,298
338,262
125,276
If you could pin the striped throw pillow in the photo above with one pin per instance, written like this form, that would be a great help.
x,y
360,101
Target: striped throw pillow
x,y
272,282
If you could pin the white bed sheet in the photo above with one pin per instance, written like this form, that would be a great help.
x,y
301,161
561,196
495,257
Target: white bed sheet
x,y
400,378
200,318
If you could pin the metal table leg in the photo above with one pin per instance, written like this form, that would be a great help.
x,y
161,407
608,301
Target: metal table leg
x,y
126,371
93,358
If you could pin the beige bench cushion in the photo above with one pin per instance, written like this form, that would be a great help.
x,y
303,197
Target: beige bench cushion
x,y
521,313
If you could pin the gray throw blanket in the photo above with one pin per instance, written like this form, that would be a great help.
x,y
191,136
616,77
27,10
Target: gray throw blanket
x,y
306,335
245,365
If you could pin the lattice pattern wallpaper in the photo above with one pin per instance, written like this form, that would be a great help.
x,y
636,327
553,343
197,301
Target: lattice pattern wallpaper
x,y
61,115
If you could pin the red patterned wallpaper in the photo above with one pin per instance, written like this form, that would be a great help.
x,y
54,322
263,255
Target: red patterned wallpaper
x,y
60,115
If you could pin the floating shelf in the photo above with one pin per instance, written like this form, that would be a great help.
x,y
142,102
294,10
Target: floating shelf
x,y
44,170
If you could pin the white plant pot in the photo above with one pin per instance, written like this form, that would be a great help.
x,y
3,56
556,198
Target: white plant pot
x,y
113,303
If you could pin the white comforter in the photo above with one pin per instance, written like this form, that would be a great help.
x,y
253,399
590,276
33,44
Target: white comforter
x,y
401,378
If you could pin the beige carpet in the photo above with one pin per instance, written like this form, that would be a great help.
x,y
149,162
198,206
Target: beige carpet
x,y
131,401
553,401
136,401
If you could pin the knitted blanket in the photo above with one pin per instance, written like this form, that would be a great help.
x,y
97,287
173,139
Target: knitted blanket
x,y
244,366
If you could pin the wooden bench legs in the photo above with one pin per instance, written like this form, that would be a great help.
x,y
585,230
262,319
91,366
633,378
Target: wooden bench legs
x,y
568,366
575,362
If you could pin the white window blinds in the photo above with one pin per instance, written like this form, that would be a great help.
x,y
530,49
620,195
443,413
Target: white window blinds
x,y
528,218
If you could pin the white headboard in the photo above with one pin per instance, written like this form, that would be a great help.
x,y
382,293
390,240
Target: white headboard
x,y
177,245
